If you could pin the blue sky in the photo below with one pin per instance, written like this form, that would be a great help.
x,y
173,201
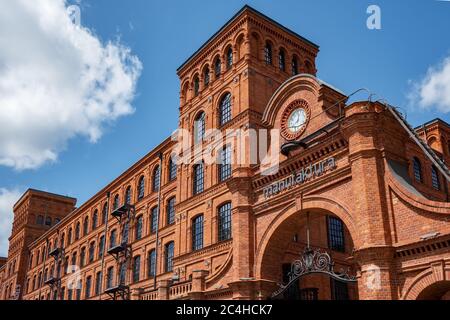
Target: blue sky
x,y
162,34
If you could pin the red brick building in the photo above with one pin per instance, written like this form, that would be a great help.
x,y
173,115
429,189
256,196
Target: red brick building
x,y
354,181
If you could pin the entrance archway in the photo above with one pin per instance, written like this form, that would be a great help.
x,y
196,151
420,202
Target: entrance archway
x,y
328,235
436,291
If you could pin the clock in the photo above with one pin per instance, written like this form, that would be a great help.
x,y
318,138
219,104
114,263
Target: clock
x,y
294,119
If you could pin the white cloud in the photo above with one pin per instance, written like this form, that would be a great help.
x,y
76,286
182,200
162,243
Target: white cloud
x,y
434,89
57,81
7,199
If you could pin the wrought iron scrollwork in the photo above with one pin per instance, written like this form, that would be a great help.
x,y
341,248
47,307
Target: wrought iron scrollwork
x,y
314,261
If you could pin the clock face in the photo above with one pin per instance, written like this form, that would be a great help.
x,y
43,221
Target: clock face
x,y
297,120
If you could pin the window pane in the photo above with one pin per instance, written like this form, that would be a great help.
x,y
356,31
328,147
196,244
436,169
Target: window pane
x,y
225,222
225,109
225,164
141,188
197,233
156,179
171,211
198,178
435,178
152,264
169,252
154,220
336,234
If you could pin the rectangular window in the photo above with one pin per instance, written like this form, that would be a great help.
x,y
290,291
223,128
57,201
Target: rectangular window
x,y
169,252
110,278
154,220
336,234
197,233
309,294
339,290
198,179
171,211
87,292
152,264
136,269
101,246
98,283
225,222
225,164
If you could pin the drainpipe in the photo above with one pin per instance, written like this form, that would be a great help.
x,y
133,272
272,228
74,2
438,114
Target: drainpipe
x,y
108,196
45,253
157,220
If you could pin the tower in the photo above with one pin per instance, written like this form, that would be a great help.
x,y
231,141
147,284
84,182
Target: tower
x,y
35,213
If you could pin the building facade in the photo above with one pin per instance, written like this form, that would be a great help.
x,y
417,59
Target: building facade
x,y
349,185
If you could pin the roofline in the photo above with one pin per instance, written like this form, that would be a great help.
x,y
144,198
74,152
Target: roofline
x,y
29,190
244,8
432,122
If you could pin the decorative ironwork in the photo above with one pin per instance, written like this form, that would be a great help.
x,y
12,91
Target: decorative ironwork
x,y
313,262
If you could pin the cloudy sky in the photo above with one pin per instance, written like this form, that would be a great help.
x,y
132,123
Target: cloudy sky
x,y
80,104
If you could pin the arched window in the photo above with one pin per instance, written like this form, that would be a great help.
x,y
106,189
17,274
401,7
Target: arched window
x,y
95,220
61,240
38,257
308,67
87,290
198,178
136,268
224,215
82,257
172,170
206,77
128,195
268,53
225,109
98,283
282,60
101,246
435,178
138,228
110,278
171,211
156,179
86,226
225,164
123,273
116,202
153,220
294,65
217,67
69,236
125,233
74,259
141,188
91,252
168,256
77,231
417,167
199,128
105,213
229,58
48,221
196,86
40,220
151,264
197,233
113,239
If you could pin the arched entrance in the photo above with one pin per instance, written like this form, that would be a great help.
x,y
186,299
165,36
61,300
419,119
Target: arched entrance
x,y
310,240
437,291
